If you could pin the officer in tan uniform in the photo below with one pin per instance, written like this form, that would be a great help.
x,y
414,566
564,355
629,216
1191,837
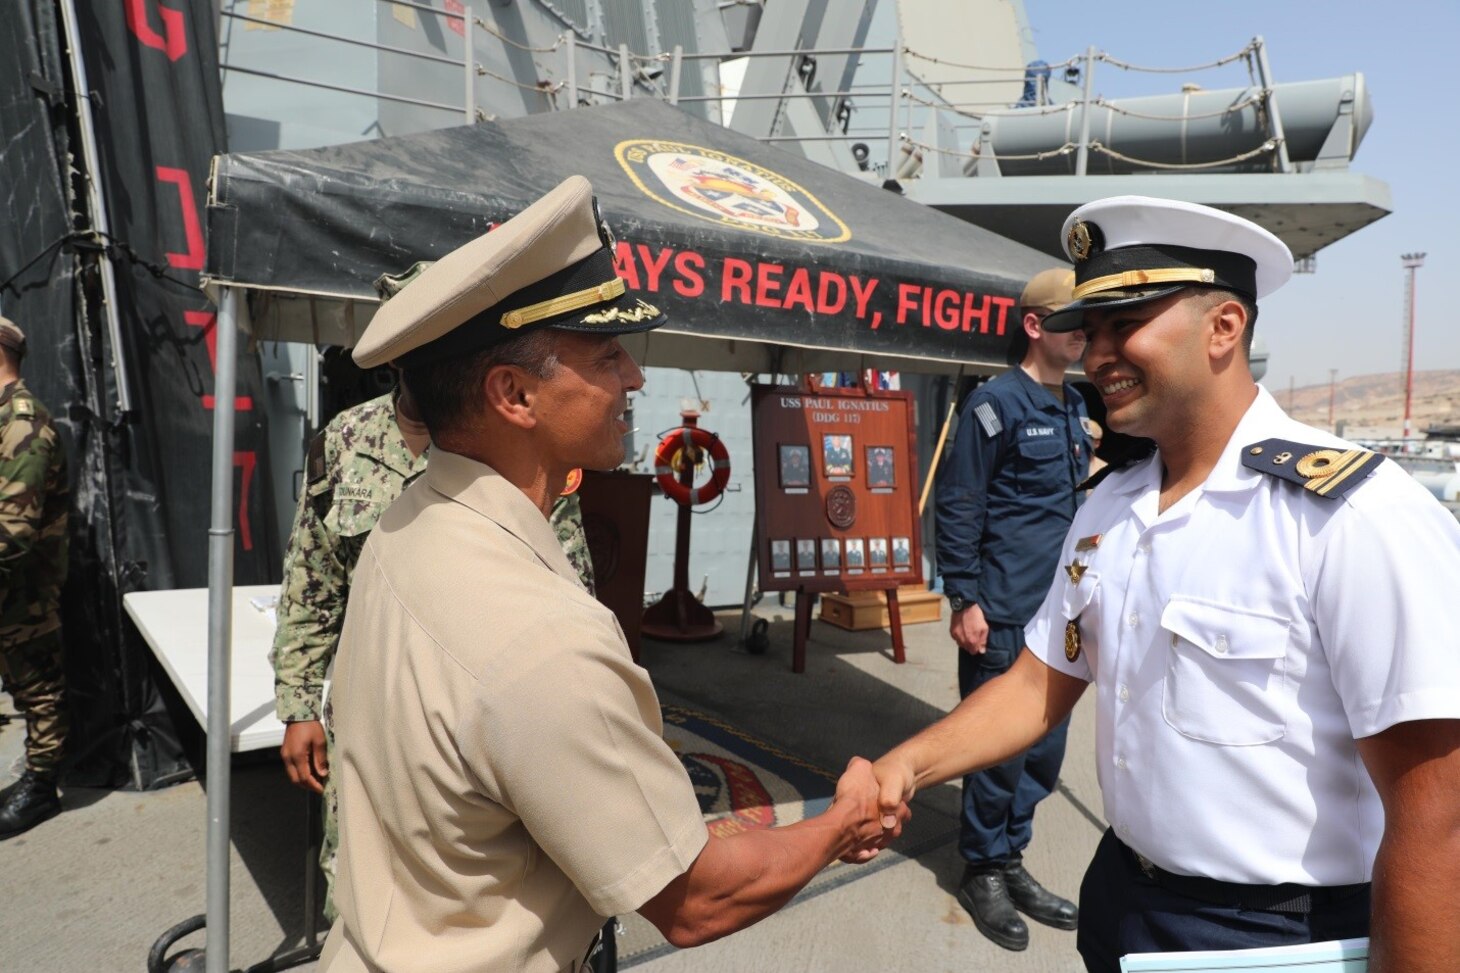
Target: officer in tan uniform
x,y
33,513
504,785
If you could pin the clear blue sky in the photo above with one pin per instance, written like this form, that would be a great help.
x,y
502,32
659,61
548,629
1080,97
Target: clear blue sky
x,y
1348,315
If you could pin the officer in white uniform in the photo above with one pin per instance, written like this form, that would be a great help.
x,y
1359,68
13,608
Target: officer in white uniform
x,y
1265,612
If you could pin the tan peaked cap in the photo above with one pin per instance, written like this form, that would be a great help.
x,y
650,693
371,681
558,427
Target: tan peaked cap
x,y
1052,288
11,336
554,232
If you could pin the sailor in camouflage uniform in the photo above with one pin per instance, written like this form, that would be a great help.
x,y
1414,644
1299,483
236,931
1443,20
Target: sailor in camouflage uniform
x,y
357,465
33,508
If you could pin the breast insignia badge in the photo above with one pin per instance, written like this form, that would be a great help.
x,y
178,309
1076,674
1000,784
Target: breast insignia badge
x,y
1087,543
1076,571
1072,639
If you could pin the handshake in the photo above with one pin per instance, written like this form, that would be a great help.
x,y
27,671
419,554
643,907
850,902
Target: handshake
x,y
871,802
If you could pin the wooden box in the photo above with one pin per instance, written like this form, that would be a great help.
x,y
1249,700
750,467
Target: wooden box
x,y
860,610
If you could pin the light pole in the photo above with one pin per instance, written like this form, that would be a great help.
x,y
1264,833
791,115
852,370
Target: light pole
x,y
1411,263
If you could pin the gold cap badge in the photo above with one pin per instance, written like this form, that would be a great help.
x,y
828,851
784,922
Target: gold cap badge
x,y
1083,241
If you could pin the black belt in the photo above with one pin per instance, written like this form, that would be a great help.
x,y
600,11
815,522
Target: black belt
x,y
1289,897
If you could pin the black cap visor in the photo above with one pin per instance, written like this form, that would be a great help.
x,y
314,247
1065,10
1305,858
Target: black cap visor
x,y
626,314
1071,317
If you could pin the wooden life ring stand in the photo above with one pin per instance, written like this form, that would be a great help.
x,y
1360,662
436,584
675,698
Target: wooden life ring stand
x,y
685,443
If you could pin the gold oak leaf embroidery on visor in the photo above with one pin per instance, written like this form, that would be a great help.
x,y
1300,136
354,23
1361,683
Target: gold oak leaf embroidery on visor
x,y
642,312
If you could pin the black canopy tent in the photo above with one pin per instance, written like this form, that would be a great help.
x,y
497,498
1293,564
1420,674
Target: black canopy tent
x,y
764,261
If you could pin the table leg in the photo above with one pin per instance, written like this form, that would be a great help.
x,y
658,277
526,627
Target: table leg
x,y
894,618
802,626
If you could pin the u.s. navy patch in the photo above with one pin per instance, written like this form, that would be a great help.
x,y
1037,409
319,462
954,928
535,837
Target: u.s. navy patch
x,y
1323,471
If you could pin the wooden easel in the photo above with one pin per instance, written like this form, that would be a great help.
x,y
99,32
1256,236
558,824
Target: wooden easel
x,y
803,624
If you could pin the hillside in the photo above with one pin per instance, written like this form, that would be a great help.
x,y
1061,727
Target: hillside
x,y
1373,405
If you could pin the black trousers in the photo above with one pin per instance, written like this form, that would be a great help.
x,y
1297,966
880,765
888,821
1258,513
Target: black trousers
x,y
1122,910
999,801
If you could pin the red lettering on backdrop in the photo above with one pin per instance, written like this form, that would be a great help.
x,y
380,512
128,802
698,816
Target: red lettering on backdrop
x,y
173,41
654,266
737,278
192,229
945,310
982,314
688,265
824,302
907,300
798,291
247,461
1003,304
624,265
863,296
768,284
209,322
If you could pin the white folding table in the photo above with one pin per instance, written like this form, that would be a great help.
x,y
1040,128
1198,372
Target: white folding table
x,y
175,626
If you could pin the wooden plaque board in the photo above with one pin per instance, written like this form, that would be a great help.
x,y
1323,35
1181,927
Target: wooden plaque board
x,y
836,487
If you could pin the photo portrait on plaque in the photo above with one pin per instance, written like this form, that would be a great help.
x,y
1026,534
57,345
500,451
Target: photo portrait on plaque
x,y
901,552
877,551
831,554
854,552
880,470
780,555
795,466
806,554
836,454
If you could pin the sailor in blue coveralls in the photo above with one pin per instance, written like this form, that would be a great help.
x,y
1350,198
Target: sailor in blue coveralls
x,y
1266,615
1005,499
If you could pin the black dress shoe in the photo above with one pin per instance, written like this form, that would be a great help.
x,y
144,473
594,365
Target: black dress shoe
x,y
986,897
26,803
1038,902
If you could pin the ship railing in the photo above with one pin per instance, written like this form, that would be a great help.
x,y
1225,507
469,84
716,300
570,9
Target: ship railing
x,y
890,111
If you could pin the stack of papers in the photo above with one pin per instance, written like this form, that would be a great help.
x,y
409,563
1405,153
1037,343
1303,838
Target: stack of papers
x,y
1342,956
268,605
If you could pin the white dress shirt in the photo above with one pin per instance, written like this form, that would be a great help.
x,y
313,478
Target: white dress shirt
x,y
1240,641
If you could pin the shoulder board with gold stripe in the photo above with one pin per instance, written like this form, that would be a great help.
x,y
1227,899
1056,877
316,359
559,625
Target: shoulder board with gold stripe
x,y
1322,471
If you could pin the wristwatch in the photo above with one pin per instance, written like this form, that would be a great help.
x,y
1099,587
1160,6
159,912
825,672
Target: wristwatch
x,y
957,603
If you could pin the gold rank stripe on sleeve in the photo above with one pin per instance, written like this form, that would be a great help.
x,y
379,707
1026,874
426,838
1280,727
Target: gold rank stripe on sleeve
x,y
1347,465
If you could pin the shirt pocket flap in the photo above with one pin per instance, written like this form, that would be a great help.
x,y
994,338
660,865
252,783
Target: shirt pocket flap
x,y
1226,632
1041,447
1077,596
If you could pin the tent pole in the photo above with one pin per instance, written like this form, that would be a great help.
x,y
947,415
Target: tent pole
x,y
220,630
938,449
96,206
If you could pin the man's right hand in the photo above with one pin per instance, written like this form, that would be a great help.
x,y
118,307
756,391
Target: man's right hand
x,y
970,630
305,757
896,781
871,829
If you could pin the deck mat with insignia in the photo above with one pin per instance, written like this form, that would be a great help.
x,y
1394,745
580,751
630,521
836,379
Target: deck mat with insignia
x,y
745,783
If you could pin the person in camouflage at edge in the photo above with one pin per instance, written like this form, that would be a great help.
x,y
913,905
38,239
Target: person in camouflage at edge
x,y
357,465
33,512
